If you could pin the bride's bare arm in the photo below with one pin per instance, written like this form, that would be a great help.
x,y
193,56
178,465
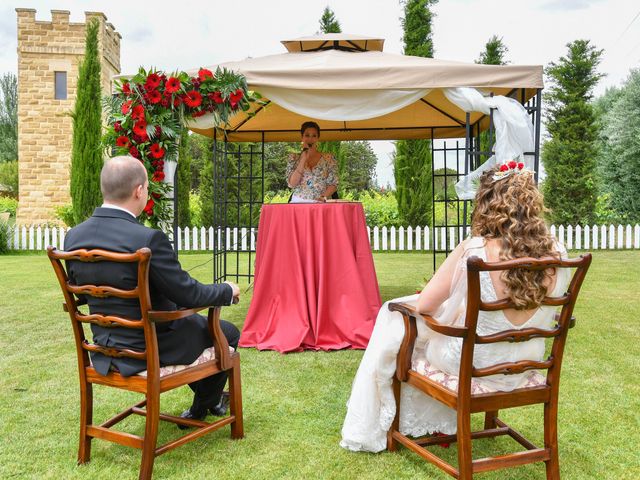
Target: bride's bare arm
x,y
438,288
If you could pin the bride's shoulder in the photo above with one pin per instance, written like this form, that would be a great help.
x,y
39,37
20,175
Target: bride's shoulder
x,y
473,243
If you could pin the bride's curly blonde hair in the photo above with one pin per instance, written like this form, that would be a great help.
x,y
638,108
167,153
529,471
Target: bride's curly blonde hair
x,y
510,210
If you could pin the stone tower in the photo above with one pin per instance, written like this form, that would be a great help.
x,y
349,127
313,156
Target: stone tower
x,y
48,58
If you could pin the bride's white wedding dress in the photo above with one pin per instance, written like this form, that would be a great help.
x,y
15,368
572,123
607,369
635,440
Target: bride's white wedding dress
x,y
371,407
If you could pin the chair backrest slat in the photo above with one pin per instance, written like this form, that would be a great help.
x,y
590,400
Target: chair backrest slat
x,y
511,368
102,291
523,335
114,352
505,303
108,320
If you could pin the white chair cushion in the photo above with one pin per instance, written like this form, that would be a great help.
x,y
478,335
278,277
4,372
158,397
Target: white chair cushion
x,y
532,378
207,355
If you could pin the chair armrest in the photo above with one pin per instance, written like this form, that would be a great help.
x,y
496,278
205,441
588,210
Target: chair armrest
x,y
220,342
572,320
410,316
448,330
160,316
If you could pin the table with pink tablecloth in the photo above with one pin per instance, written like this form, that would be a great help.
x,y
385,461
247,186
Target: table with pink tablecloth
x,y
315,285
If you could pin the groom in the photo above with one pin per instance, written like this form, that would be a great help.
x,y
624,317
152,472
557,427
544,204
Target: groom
x,y
113,226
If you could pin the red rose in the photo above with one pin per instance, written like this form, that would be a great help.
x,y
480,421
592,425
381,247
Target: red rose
x,y
165,103
172,85
158,131
153,81
140,128
158,176
503,168
155,195
217,97
126,107
154,96
148,209
235,98
512,164
198,114
122,141
204,74
117,127
176,102
133,151
156,151
520,166
126,88
192,99
137,113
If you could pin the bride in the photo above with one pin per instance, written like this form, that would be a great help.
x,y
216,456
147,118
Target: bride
x,y
507,223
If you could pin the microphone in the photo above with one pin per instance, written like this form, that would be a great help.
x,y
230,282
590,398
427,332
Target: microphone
x,y
306,147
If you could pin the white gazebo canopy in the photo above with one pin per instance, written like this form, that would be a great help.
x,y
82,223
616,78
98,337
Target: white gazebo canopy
x,y
355,91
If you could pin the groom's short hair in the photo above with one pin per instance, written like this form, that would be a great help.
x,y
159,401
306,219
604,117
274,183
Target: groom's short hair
x,y
120,176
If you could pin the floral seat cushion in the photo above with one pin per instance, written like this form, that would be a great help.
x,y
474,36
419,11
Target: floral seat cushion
x,y
207,355
532,378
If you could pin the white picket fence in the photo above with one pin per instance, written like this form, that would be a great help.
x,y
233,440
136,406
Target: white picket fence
x,y
596,237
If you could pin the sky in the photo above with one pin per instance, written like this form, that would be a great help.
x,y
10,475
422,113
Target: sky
x,y
172,35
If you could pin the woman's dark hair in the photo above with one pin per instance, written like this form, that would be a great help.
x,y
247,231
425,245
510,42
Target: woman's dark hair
x,y
306,125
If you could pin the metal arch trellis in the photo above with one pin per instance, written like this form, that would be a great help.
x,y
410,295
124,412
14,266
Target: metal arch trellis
x,y
238,184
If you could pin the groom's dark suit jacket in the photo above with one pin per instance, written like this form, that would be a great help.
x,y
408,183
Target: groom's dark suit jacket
x,y
180,342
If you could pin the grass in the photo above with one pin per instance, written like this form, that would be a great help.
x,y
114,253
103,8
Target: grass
x,y
295,404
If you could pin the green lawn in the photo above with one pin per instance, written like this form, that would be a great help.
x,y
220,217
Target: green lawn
x,y
295,404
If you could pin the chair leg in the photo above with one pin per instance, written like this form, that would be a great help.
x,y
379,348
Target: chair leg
x,y
235,400
392,444
551,440
86,418
150,436
465,468
490,419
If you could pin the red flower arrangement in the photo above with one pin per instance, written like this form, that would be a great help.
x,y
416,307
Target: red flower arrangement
x,y
147,113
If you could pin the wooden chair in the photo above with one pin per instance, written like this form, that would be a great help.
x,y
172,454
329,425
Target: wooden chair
x,y
158,379
466,398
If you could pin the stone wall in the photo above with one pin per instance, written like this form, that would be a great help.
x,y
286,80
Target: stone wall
x,y
44,123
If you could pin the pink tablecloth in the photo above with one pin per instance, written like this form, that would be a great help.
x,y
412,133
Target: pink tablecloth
x,y
315,283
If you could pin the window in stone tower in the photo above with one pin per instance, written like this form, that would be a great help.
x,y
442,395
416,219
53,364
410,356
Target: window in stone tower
x,y
61,85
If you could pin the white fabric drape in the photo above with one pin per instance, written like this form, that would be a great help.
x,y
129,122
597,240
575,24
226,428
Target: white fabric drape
x,y
514,132
343,105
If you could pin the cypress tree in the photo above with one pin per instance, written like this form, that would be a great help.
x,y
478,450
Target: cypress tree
x,y
184,180
328,22
569,156
86,153
412,159
205,189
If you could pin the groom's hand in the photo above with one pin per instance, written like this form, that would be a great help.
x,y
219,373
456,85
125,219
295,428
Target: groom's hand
x,y
236,292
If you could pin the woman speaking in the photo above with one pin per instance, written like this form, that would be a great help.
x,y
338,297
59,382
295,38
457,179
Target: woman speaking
x,y
312,175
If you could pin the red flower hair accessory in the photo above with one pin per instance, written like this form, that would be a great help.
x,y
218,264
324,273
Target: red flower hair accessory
x,y
509,167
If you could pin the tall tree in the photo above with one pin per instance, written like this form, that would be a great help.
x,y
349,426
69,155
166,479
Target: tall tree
x,y
412,159
184,180
569,155
359,166
619,163
493,54
86,154
8,117
328,22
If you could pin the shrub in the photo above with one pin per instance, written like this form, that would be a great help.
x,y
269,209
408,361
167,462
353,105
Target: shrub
x,y
9,178
65,213
4,236
8,204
